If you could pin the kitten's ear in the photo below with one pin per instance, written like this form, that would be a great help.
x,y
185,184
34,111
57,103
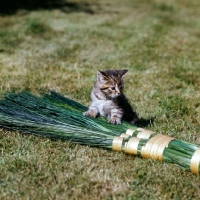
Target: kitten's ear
x,y
123,72
102,76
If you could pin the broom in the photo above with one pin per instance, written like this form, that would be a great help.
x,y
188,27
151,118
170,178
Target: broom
x,y
55,116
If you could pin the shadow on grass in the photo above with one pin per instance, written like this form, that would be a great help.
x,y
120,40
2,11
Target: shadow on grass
x,y
9,7
142,123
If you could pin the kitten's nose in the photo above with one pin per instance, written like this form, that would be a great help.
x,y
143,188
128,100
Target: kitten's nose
x,y
117,90
118,94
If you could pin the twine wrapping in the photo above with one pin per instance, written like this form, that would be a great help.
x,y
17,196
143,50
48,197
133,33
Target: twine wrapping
x,y
117,143
195,160
145,134
155,146
124,135
130,131
132,145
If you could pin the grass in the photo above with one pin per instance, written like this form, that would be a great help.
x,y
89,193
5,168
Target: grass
x,y
62,49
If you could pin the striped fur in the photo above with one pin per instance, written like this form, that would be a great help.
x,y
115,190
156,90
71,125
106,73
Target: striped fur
x,y
108,100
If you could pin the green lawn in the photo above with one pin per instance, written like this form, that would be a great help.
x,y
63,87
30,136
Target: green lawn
x,y
61,49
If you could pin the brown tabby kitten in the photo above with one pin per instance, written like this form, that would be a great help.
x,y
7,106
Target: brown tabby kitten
x,y
108,100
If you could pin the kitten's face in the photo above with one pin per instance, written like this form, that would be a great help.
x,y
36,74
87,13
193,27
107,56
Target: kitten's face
x,y
111,82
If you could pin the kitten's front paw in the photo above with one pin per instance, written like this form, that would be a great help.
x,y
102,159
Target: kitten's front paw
x,y
115,120
89,113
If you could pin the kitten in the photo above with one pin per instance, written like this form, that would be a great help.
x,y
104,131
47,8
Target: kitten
x,y
108,100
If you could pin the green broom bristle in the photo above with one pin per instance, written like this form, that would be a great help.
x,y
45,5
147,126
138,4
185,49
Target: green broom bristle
x,y
55,116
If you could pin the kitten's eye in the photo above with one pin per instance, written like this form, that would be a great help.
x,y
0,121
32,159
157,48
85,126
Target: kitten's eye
x,y
121,87
112,88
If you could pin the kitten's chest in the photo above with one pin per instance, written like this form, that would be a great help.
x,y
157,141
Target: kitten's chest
x,y
104,107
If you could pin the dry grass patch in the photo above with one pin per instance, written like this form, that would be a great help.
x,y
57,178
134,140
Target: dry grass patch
x,y
62,48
